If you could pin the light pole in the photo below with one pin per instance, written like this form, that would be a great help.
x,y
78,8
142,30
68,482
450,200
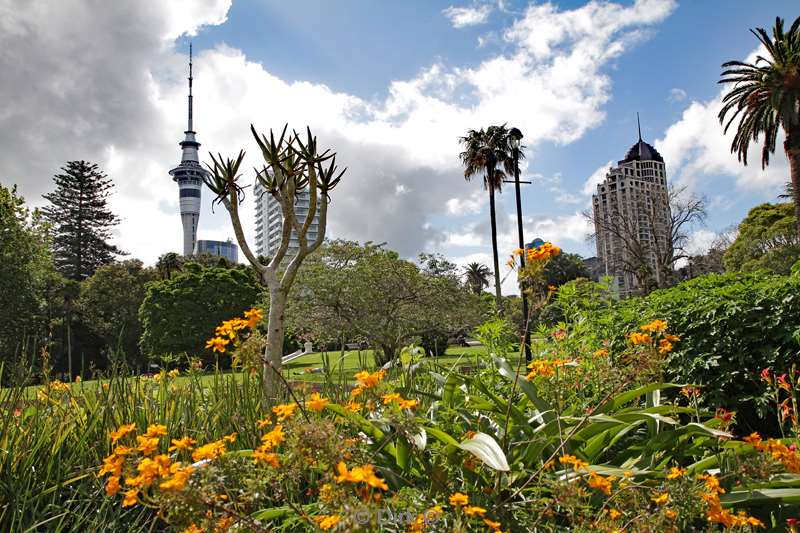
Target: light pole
x,y
515,136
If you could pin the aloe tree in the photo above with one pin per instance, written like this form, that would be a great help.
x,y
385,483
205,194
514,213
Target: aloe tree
x,y
477,276
488,152
766,97
292,167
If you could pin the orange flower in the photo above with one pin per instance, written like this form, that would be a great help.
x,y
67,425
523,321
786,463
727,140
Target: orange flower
x,y
130,498
675,472
284,411
317,402
217,344
182,444
459,499
156,430
472,510
121,432
112,486
660,499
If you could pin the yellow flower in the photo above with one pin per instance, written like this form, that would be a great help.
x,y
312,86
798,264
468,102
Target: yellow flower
x,y
209,451
368,380
603,484
407,404
182,444
217,344
112,486
156,430
660,499
353,406
458,499
389,398
230,438
576,463
147,445
263,455
675,472
602,352
273,438
284,411
178,480
130,498
472,510
494,526
656,326
111,465
360,474
664,346
317,402
173,373
326,522
613,514
640,338
253,317
193,529
121,432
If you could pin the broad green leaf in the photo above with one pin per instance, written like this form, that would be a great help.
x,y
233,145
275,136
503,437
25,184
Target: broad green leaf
x,y
628,396
487,450
272,513
760,496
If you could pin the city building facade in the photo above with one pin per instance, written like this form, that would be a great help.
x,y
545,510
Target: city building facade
x,y
189,176
269,222
226,249
632,221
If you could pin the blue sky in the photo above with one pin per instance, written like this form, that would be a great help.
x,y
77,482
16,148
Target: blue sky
x,y
390,86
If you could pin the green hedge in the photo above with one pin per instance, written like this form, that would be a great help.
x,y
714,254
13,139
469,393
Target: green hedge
x,y
731,327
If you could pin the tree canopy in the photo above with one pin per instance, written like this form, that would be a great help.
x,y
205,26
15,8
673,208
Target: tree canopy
x,y
767,240
179,314
349,292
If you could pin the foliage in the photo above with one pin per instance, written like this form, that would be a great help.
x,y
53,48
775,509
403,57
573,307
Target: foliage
x,y
563,268
765,98
767,240
721,320
168,264
109,306
349,291
81,220
177,315
26,269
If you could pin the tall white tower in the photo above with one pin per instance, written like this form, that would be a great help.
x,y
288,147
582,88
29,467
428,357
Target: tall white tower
x,y
189,177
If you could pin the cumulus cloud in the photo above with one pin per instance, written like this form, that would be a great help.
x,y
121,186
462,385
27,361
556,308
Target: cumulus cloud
x,y
596,177
696,151
462,17
110,87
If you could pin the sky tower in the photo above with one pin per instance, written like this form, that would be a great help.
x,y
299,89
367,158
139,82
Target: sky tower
x,y
189,177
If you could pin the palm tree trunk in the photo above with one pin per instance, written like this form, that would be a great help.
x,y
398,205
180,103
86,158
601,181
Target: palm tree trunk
x,y
497,294
792,147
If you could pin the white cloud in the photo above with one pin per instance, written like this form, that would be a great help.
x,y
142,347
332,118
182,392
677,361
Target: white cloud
x,y
597,177
676,95
700,241
462,17
696,151
110,87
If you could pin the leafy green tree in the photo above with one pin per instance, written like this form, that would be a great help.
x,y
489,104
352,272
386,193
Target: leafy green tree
x,y
25,270
766,97
488,152
109,306
349,291
767,240
477,277
81,220
178,315
563,268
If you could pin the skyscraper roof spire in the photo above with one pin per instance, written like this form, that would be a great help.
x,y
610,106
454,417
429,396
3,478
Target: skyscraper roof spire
x,y
190,127
639,124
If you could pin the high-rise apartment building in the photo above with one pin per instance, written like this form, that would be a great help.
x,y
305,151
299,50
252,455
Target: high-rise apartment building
x,y
269,222
632,221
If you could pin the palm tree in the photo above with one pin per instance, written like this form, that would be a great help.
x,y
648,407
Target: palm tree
x,y
169,263
767,96
488,152
477,276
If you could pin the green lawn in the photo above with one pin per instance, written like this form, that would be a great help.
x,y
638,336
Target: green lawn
x,y
341,368
354,361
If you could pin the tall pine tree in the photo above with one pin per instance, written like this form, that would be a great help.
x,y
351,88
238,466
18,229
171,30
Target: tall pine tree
x,y
81,220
